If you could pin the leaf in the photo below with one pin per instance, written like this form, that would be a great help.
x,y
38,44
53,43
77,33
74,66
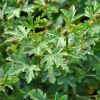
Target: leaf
x,y
98,98
97,72
40,48
66,81
51,76
30,72
20,33
79,73
62,97
28,8
29,75
37,95
52,59
2,12
77,17
70,15
72,12
16,69
61,42
66,15
92,9
1,72
98,91
12,12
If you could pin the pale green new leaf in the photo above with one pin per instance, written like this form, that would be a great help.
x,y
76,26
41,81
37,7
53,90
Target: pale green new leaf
x,y
20,33
28,8
72,12
92,9
12,12
53,59
3,11
17,68
30,72
37,95
51,75
70,16
56,58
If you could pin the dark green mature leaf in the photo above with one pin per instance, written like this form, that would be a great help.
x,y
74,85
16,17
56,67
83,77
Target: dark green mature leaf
x,y
58,97
66,81
97,72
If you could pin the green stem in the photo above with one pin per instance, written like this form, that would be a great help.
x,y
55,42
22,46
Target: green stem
x,y
67,43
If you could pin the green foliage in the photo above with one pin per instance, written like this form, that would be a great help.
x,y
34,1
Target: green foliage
x,y
49,50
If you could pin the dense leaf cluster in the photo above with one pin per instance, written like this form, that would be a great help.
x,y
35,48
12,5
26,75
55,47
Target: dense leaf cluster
x,y
49,50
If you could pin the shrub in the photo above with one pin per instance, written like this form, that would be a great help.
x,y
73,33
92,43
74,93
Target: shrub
x,y
49,49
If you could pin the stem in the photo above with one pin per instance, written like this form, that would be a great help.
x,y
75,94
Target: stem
x,y
67,43
89,96
38,59
90,75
